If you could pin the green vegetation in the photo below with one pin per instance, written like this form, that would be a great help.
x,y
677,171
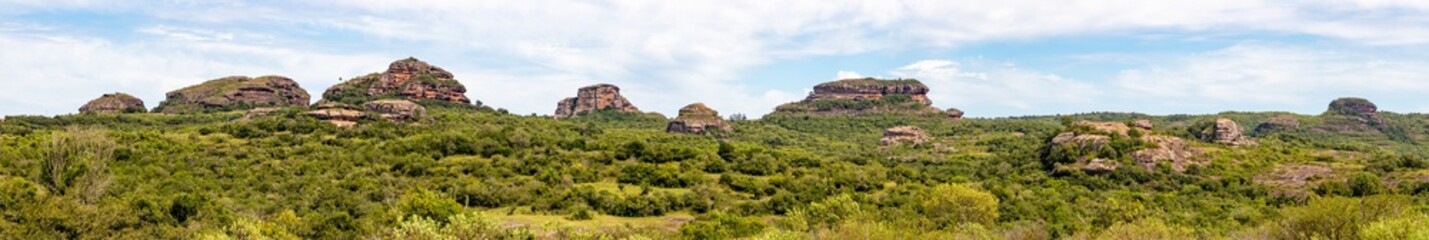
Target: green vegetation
x,y
477,173
872,82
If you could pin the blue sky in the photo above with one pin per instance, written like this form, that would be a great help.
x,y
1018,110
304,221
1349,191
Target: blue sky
x,y
989,58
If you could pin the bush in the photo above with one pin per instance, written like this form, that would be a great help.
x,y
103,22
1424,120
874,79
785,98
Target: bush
x,y
955,204
720,225
427,204
1408,227
1145,229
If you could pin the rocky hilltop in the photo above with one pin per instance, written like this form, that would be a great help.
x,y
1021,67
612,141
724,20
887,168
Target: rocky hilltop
x,y
594,98
114,103
1225,131
697,118
234,93
409,79
1092,147
864,96
1352,115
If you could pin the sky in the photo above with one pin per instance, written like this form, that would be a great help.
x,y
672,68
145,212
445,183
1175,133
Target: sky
x,y
988,58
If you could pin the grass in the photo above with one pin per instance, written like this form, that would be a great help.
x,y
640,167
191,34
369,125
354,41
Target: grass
x,y
550,223
612,186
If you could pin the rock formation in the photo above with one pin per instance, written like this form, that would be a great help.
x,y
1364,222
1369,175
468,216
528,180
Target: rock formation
x,y
339,114
904,135
234,93
594,98
396,110
1172,150
1084,147
864,96
114,103
258,112
1225,131
1357,107
1143,124
954,114
1283,122
409,79
697,118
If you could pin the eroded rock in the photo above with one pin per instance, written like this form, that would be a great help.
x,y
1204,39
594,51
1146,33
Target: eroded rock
x,y
396,110
901,135
114,103
1225,131
864,96
594,98
1283,122
409,79
339,114
235,93
697,118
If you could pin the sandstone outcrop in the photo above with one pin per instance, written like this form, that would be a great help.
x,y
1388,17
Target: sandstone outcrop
x,y
1143,124
396,110
1225,131
1087,146
114,103
1283,122
1172,150
234,93
409,79
697,118
339,114
1356,107
901,135
954,114
864,96
594,98
259,112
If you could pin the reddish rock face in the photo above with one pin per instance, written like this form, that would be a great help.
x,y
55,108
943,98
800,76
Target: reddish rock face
x,y
1095,136
868,89
1225,131
1356,107
904,135
235,93
865,96
594,98
409,78
697,118
396,110
1278,123
114,103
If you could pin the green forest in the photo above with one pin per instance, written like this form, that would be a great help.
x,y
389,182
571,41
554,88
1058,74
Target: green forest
x,y
473,172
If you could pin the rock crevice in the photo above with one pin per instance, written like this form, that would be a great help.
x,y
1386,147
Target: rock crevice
x,y
594,98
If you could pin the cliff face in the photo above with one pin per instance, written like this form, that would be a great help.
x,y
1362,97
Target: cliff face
x,y
594,98
870,89
697,118
864,96
235,93
114,103
409,79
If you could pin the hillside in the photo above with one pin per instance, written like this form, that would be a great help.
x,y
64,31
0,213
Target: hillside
x,y
476,173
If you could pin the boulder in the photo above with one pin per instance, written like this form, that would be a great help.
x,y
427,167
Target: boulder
x,y
865,96
594,98
1225,131
259,112
339,114
1143,124
1358,109
396,110
954,114
697,118
409,79
1084,146
1283,122
235,93
904,135
1172,150
114,103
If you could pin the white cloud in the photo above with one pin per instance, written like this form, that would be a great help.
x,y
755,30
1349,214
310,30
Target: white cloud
x,y
663,53
1264,77
50,74
847,75
988,88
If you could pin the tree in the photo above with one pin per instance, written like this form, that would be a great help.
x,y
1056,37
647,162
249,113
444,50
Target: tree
x,y
955,204
76,161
